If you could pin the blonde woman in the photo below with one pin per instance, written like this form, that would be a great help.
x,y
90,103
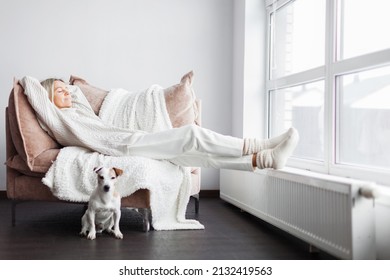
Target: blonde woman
x,y
189,145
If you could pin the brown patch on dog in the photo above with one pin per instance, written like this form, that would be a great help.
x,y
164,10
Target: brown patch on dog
x,y
118,171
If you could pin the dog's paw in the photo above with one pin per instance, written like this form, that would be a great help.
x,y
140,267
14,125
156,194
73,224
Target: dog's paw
x,y
83,233
118,235
91,236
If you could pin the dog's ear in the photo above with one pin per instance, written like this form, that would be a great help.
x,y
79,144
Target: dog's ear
x,y
118,171
97,169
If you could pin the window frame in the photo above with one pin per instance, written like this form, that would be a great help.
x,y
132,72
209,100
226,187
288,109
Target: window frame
x,y
329,72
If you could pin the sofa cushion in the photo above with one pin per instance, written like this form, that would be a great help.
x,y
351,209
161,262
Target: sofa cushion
x,y
16,162
42,163
29,139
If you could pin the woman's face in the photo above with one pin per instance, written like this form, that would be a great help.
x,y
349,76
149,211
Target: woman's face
x,y
62,98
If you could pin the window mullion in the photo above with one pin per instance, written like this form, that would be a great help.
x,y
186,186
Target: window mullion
x,y
363,62
297,79
330,125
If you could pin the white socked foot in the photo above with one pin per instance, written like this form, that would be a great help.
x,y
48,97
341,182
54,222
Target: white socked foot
x,y
277,157
255,145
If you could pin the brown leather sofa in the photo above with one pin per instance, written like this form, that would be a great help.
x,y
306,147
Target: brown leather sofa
x,y
30,151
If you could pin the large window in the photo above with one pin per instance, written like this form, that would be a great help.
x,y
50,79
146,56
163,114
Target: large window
x,y
362,26
364,118
329,76
295,46
300,106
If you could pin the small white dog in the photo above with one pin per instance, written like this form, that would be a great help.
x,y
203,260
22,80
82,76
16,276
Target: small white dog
x,y
104,206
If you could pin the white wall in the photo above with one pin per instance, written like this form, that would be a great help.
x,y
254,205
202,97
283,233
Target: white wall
x,y
249,66
122,43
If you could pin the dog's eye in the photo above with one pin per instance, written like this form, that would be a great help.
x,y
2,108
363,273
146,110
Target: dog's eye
x,y
101,177
112,178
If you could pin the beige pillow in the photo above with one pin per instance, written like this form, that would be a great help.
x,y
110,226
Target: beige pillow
x,y
94,95
179,98
180,102
29,138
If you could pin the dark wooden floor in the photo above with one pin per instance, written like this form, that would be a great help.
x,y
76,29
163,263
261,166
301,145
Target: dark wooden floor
x,y
49,231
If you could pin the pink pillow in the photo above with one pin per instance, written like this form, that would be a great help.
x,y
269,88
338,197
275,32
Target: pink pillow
x,y
180,102
29,138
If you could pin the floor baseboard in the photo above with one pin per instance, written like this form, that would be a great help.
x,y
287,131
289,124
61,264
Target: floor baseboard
x,y
3,194
202,193
209,193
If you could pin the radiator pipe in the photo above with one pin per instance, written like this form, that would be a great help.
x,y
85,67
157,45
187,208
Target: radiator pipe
x,y
374,191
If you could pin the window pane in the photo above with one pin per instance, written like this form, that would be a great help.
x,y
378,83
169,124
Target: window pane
x,y
297,37
301,107
363,27
364,118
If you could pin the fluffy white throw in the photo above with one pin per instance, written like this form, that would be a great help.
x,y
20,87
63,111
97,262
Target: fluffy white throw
x,y
71,176
143,110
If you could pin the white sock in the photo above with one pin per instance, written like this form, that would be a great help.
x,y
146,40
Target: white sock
x,y
277,157
254,145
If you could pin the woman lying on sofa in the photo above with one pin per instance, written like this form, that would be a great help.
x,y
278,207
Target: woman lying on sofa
x,y
68,117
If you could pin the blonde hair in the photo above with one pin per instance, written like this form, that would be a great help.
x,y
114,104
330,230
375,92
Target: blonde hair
x,y
48,84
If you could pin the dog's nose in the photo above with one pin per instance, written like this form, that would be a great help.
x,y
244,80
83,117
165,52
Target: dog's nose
x,y
106,188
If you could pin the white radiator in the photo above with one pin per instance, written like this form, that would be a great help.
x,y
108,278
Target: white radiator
x,y
325,211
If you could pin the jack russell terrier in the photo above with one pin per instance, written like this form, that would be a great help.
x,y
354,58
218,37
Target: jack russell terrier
x,y
104,206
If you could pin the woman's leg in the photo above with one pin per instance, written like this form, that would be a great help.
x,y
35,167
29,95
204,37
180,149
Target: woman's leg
x,y
190,139
195,146
269,158
208,161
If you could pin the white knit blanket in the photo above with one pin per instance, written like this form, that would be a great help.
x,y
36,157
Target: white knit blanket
x,y
143,110
71,176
